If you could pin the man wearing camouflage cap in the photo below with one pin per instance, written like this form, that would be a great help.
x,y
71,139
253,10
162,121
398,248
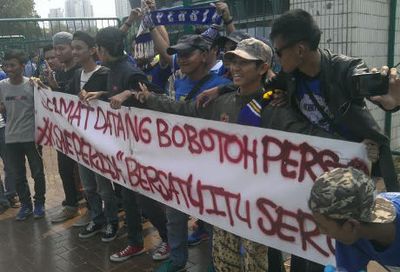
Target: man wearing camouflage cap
x,y
366,227
250,63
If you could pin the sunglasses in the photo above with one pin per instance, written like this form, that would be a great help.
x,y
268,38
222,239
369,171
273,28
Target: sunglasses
x,y
278,52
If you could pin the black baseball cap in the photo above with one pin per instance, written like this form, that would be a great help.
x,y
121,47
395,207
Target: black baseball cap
x,y
189,43
235,36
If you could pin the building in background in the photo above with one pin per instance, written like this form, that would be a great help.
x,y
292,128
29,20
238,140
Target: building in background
x,y
79,9
56,13
122,8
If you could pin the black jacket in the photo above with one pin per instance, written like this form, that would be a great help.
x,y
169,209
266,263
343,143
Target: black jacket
x,y
123,76
65,80
348,113
96,83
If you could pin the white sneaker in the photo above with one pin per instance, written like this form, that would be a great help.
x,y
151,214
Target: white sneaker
x,y
161,252
66,213
83,220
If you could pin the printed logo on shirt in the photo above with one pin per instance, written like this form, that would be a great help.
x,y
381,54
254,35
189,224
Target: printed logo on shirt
x,y
310,110
16,98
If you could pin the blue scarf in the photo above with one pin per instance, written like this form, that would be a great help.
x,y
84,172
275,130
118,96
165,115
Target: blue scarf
x,y
250,115
144,46
186,16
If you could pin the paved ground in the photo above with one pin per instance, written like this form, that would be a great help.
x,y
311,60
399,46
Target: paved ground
x,y
39,245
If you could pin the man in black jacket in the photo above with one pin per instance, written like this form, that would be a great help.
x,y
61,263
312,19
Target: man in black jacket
x,y
319,85
122,79
60,81
98,189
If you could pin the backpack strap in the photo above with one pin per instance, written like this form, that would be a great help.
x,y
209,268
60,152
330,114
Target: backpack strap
x,y
197,87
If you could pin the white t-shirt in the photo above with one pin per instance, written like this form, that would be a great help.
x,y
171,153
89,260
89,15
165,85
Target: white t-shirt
x,y
86,76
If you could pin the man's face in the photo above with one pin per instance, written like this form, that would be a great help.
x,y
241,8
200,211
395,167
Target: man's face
x,y
81,51
346,233
63,52
102,54
245,72
13,68
190,61
288,54
52,60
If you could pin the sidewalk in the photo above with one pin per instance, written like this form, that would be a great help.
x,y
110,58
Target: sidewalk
x,y
38,245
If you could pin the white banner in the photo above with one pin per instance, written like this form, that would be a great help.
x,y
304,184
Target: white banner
x,y
250,181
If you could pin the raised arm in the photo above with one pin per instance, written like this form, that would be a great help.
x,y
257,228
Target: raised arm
x,y
135,15
223,11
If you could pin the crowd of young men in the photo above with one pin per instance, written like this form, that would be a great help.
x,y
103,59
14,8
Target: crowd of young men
x,y
311,95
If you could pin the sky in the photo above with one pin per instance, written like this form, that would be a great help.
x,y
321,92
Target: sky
x,y
101,8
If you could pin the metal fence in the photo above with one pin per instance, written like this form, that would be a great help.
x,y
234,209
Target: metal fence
x,y
29,34
333,18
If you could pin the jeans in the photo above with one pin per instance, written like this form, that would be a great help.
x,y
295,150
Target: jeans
x,y
155,211
98,189
9,184
3,198
15,157
177,226
66,170
133,217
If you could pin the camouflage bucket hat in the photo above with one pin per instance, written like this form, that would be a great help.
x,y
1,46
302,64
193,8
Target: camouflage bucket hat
x,y
345,193
251,49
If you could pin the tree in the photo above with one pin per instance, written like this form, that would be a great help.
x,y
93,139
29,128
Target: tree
x,y
16,33
17,9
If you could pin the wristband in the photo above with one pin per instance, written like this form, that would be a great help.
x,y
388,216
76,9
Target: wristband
x,y
230,21
128,24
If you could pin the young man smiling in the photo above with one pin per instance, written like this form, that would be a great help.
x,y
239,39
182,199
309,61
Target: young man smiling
x,y
192,53
98,189
249,65
366,228
17,100
60,80
248,105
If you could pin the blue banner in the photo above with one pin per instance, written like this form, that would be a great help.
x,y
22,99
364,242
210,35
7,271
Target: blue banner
x,y
186,16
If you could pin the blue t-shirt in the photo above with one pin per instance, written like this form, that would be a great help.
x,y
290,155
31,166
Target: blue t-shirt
x,y
184,85
218,68
159,76
304,84
355,257
3,75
